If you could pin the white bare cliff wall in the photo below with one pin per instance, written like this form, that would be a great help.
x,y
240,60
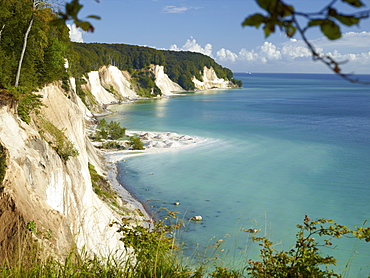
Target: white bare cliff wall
x,y
164,83
111,85
211,81
116,80
57,195
95,87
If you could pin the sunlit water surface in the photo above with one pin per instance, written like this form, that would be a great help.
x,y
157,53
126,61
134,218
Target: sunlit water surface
x,y
284,146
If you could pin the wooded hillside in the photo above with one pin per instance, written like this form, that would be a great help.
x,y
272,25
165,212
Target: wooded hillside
x,y
180,66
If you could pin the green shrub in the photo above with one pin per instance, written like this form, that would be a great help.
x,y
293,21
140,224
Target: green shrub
x,y
112,145
305,259
113,130
135,143
56,138
28,102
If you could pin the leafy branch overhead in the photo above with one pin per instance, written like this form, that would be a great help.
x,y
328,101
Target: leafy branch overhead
x,y
71,13
287,19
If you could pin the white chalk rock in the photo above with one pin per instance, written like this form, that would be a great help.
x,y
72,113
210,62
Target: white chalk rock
x,y
196,218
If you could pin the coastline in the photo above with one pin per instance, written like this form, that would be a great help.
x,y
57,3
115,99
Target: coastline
x,y
155,142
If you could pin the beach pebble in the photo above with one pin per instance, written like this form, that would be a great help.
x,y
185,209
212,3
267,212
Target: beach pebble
x,y
176,203
196,218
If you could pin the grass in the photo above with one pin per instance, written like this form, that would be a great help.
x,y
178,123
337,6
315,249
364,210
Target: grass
x,y
56,138
154,253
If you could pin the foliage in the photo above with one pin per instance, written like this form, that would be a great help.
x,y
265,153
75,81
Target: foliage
x,y
46,45
56,138
113,130
102,187
2,163
152,251
135,143
71,13
144,82
27,102
304,259
112,145
154,247
239,83
286,18
32,227
180,66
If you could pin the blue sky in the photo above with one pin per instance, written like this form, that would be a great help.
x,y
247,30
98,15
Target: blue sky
x,y
213,27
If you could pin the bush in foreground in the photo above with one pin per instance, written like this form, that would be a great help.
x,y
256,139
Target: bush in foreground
x,y
157,255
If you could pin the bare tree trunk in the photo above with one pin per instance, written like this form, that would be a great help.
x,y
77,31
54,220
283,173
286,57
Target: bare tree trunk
x,y
23,51
2,28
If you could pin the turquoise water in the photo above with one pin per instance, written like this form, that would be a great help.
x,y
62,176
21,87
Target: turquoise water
x,y
284,146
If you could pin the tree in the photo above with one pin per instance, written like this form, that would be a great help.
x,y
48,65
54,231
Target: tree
x,y
329,18
135,143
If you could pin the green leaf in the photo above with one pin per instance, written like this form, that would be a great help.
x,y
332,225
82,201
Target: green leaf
x,y
94,16
355,3
315,22
254,20
281,10
290,30
269,28
330,29
347,20
86,26
267,4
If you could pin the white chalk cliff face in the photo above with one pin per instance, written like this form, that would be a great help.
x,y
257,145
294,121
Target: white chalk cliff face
x,y
164,83
211,81
95,87
112,77
57,195
109,85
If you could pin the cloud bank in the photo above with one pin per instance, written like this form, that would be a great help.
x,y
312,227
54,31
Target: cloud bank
x,y
75,34
292,56
192,45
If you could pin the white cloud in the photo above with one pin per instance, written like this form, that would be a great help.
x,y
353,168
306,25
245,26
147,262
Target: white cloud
x,y
226,55
349,39
192,45
291,56
75,34
270,51
178,10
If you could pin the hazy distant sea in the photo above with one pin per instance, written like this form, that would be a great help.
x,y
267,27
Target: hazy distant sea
x,y
283,146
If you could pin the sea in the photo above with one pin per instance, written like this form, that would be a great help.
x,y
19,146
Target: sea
x,y
282,147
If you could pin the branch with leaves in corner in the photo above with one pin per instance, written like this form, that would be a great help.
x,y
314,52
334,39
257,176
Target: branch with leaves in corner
x,y
71,13
287,19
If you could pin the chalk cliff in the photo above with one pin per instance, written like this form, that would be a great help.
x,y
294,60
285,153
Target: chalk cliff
x,y
55,193
164,83
109,84
41,187
211,81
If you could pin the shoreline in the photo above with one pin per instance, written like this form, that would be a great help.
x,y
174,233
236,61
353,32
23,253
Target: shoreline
x,y
158,142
